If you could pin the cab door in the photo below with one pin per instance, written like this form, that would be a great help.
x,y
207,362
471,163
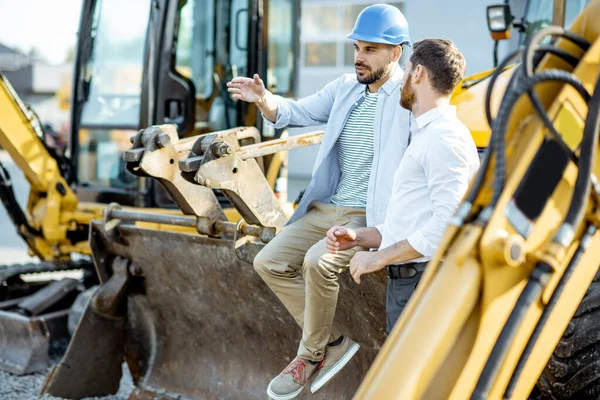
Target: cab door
x,y
106,100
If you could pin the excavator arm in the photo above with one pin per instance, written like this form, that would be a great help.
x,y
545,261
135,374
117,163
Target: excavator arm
x,y
519,264
53,225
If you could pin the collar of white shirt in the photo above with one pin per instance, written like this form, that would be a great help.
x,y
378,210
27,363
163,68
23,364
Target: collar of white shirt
x,y
433,114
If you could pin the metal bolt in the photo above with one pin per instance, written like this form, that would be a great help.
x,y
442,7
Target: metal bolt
x,y
222,149
135,270
163,140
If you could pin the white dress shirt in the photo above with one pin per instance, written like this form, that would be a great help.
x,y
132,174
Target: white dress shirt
x,y
430,182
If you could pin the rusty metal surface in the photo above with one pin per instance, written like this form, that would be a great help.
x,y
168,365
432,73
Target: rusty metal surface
x,y
277,145
92,364
201,324
24,341
97,344
156,153
217,165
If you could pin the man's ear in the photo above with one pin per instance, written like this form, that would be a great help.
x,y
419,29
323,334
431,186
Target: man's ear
x,y
397,53
419,73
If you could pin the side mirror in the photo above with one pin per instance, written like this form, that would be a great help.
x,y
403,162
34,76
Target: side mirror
x,y
499,19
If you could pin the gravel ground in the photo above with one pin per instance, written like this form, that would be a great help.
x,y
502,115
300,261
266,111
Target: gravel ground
x,y
28,387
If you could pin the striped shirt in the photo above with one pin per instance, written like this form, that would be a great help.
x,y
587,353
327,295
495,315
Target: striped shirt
x,y
355,154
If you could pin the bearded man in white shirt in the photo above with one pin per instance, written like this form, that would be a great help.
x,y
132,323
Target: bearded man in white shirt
x,y
429,184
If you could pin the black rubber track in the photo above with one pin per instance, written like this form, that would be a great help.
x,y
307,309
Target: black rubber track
x,y
573,371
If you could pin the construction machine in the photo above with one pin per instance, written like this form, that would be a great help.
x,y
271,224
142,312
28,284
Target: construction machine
x,y
508,307
509,300
137,64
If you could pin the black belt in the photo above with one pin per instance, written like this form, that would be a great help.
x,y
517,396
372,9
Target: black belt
x,y
407,270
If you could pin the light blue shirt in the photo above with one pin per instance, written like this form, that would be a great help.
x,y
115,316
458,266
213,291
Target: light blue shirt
x,y
332,105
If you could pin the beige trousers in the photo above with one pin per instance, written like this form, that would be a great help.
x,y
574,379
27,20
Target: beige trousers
x,y
304,275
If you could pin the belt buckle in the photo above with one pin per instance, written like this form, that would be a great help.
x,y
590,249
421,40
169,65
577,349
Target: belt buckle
x,y
401,271
395,271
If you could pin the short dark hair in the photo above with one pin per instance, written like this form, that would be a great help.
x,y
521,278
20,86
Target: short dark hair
x,y
444,63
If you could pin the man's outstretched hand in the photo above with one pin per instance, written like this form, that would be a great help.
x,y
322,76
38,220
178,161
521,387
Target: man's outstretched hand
x,y
340,238
251,90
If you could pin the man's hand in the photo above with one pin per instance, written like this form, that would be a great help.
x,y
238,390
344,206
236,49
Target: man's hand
x,y
340,238
251,90
364,262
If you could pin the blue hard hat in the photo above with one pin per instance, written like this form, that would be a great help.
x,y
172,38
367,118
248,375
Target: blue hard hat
x,y
381,23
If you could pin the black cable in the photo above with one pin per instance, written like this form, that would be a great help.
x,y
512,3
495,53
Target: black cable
x,y
500,124
496,53
533,44
489,151
535,284
562,54
556,75
589,146
15,213
583,245
497,72
499,139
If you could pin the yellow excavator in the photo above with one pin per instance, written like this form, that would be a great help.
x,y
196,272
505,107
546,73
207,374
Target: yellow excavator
x,y
180,303
507,308
137,64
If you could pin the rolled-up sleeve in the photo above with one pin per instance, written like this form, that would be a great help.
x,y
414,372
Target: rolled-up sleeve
x,y
448,170
311,110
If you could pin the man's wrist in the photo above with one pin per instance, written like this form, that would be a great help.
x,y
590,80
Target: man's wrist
x,y
360,239
383,258
262,101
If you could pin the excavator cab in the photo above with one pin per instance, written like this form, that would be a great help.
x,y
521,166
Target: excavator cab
x,y
144,62
138,63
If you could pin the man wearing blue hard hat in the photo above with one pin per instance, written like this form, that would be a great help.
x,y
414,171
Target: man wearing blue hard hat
x,y
365,138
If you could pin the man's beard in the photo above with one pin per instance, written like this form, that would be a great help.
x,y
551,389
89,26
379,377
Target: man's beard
x,y
372,77
408,96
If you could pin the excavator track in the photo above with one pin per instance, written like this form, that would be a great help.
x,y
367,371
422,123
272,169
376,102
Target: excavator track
x,y
12,270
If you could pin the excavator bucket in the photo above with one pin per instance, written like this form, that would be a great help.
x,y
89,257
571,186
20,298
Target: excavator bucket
x,y
200,323
28,324
24,342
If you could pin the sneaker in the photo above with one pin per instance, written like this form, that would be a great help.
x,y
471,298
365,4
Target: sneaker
x,y
292,380
336,358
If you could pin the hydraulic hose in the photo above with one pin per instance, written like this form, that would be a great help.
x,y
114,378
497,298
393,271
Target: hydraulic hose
x,y
497,72
16,214
555,75
583,245
583,183
564,55
535,284
500,124
534,45
465,208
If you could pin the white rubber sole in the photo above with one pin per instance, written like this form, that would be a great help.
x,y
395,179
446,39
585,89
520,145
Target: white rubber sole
x,y
282,396
323,380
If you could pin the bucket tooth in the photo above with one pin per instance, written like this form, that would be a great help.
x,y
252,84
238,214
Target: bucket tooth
x,y
92,365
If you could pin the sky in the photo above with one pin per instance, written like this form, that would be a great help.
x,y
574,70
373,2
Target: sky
x,y
48,25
